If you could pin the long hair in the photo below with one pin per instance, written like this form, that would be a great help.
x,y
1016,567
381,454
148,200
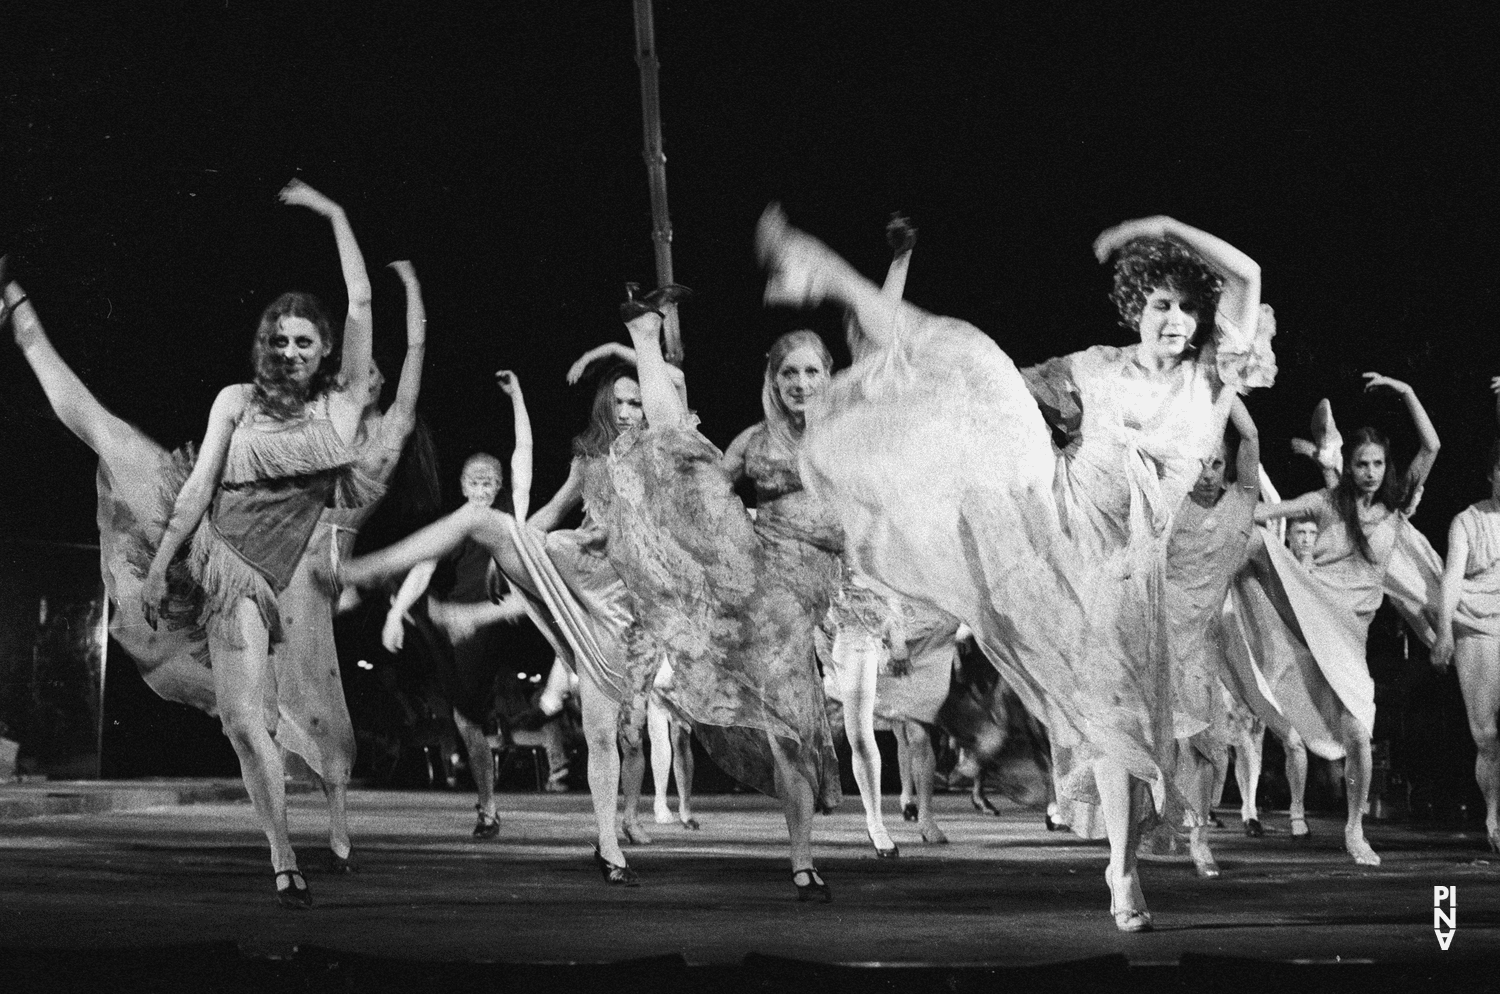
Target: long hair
x,y
1392,493
1146,264
419,489
602,431
778,419
275,393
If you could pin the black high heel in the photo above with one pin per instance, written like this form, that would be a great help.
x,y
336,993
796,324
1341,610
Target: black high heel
x,y
655,302
816,889
900,235
487,826
982,804
342,866
665,296
880,853
296,893
615,876
909,812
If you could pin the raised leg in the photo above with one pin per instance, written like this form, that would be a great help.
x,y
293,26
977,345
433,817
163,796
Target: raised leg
x,y
485,525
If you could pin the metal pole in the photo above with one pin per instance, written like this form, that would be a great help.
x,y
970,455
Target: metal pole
x,y
656,163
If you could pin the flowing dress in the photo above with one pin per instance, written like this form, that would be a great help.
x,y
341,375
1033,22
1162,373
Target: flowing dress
x,y
733,603
1478,613
946,479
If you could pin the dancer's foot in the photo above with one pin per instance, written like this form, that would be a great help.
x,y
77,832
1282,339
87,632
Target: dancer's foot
x,y
689,822
1203,859
908,811
931,833
982,804
634,834
342,866
811,887
1126,902
616,874
661,814
1299,827
292,890
1253,828
487,826
884,847
1354,842
1492,834
798,263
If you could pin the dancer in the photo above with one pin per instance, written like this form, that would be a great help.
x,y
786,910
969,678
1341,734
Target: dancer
x,y
949,488
1208,546
671,756
1469,631
458,624
313,726
1319,673
574,596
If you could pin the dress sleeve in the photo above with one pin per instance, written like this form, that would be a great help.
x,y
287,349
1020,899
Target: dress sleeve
x,y
1057,394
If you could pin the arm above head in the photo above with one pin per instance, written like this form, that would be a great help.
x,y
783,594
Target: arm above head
x,y
358,323
567,497
624,353
1247,462
520,457
1298,507
197,493
1452,589
1239,303
1429,444
399,419
733,461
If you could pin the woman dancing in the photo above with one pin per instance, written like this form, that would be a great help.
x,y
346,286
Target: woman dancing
x,y
1469,631
1319,674
949,488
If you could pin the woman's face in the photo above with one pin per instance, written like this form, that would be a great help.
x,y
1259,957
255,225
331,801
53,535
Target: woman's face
x,y
1167,324
480,484
1368,468
628,409
299,346
801,377
1302,536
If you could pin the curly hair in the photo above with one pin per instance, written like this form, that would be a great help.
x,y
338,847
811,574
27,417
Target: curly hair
x,y
778,418
1146,264
275,392
596,439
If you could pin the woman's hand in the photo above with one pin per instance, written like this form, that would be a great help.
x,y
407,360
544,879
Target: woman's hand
x,y
299,194
393,633
508,382
1495,384
1442,652
403,268
1111,239
153,593
1375,380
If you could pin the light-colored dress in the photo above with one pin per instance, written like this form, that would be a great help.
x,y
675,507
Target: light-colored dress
x,y
1478,614
944,474
733,603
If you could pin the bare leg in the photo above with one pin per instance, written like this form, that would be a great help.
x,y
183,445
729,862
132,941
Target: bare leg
x,y
923,766
856,661
485,525
796,802
1247,757
240,674
660,728
682,769
1478,661
659,397
1200,801
559,685
1357,767
481,761
337,796
632,776
601,719
903,764
1296,781
1120,801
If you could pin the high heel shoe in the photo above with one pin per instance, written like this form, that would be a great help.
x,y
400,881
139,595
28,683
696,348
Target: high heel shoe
x,y
909,812
900,235
1253,828
487,826
816,889
342,866
932,835
1126,919
655,302
880,853
615,876
665,296
296,893
982,804
634,834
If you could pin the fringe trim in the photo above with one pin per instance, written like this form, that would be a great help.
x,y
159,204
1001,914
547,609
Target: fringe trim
x,y
226,577
356,488
300,449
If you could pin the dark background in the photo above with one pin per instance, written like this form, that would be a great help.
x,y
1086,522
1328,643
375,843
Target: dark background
x,y
1348,150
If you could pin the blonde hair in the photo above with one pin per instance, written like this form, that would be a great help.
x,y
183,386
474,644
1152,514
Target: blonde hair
x,y
779,420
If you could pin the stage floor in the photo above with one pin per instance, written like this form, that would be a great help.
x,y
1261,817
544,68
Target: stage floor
x,y
1005,892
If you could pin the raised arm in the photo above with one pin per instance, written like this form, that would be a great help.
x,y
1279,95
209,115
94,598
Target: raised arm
x,y
1297,507
733,462
624,353
398,420
392,634
1247,464
1453,580
357,325
196,494
1421,463
520,457
1239,303
566,498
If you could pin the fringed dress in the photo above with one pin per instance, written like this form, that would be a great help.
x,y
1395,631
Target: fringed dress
x,y
732,603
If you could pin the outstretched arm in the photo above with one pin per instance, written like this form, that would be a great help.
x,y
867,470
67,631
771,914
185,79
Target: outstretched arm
x,y
1297,507
1421,463
357,325
1247,464
393,635
733,463
1239,303
520,457
1453,580
566,498
398,420
195,496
